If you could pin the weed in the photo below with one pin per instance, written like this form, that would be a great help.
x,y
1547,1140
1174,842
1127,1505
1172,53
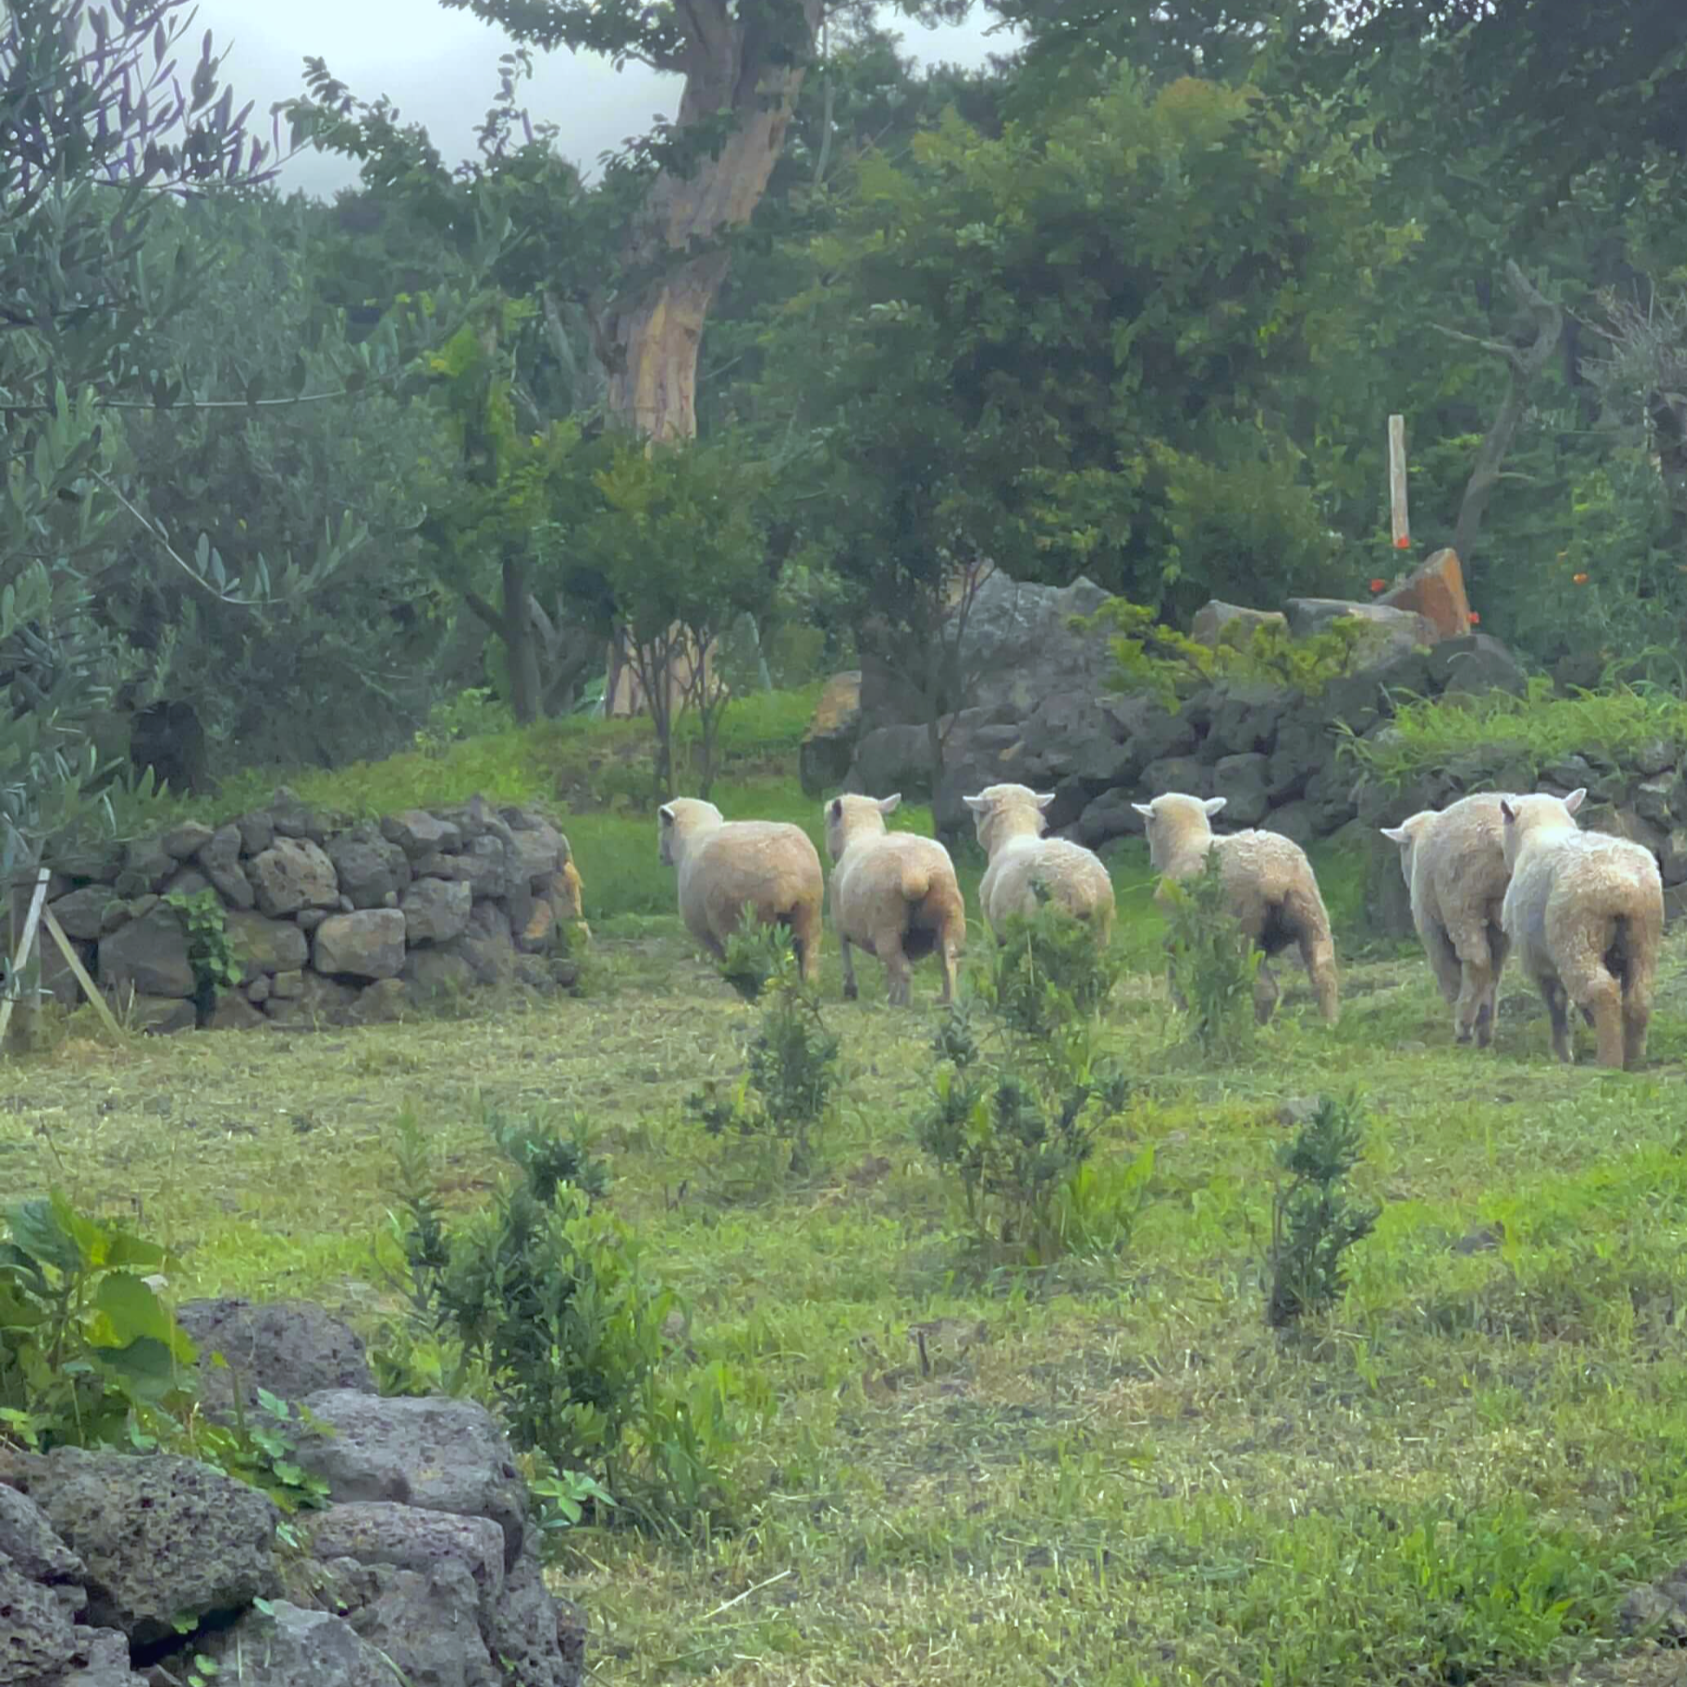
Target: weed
x,y
1214,965
1047,968
756,954
1313,1220
210,945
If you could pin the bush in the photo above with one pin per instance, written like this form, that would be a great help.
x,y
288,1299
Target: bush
x,y
1047,969
1313,1222
1214,965
1015,1129
210,946
543,1304
789,1088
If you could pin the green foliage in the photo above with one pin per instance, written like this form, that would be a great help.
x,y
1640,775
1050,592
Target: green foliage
x,y
1496,731
90,1356
475,712
1157,659
1214,965
210,945
1314,1222
1046,969
546,1302
789,1089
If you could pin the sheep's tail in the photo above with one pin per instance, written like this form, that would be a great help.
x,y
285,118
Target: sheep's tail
x,y
1305,914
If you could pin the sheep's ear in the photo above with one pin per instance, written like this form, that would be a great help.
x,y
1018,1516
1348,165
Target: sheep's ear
x,y
1575,799
1145,809
1507,812
978,805
666,815
1213,804
1396,834
1045,799
890,804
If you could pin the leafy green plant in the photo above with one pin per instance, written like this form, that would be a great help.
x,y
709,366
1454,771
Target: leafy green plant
x,y
1046,969
544,1303
475,712
791,1080
210,945
1214,966
1313,1220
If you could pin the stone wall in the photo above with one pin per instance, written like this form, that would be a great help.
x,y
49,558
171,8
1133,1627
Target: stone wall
x,y
332,922
425,1560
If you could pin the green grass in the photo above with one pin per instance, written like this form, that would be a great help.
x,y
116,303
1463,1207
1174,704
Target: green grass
x,y
1497,732
1113,1472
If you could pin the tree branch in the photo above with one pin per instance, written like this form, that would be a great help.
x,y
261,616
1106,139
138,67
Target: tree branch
x,y
485,611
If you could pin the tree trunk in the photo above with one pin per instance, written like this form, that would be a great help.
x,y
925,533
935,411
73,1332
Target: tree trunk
x,y
1524,364
521,647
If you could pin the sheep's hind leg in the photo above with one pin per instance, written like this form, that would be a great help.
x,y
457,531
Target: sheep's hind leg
x,y
1606,1009
851,990
1558,1011
1265,991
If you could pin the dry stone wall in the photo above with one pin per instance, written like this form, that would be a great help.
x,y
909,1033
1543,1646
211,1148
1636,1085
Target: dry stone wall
x,y
332,922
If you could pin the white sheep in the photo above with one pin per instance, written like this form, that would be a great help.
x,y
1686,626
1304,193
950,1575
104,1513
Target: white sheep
x,y
894,894
1009,820
724,864
1454,864
1271,888
1586,913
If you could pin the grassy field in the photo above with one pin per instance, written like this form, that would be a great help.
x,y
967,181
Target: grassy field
x,y
1108,1470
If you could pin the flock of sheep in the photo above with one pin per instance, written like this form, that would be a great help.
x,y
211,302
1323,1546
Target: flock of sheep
x,y
1487,874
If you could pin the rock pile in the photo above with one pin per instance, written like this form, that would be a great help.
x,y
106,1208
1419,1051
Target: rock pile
x,y
332,923
424,1563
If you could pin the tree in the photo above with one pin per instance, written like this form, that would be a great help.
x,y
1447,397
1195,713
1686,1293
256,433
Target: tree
x,y
95,132
670,560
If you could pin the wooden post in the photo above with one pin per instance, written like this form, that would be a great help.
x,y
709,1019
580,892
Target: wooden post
x,y
80,973
1397,481
21,959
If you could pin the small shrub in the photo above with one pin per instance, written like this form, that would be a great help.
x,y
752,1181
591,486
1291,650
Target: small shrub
x,y
1214,966
792,1077
210,945
1313,1220
1015,1131
1046,969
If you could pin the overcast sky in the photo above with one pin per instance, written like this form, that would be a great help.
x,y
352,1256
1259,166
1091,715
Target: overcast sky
x,y
441,69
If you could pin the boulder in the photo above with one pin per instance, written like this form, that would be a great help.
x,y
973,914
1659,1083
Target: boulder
x,y
292,817
1405,628
293,873
369,944
286,1646
291,1348
82,913
265,945
535,853
380,1003
1216,620
443,1454
1109,816
829,742
287,985
102,1661
893,758
234,1013
1436,592
161,1016
257,833
368,866
1476,663
435,910
56,977
1245,718
146,866
437,975
37,1640
188,882
1068,733
426,1622
1242,781
484,864
163,1538
409,1537
185,841
150,954
96,860
1297,821
28,1540
418,833
316,1000
1177,773
542,1639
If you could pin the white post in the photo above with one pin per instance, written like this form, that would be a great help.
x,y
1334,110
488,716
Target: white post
x,y
21,958
1397,481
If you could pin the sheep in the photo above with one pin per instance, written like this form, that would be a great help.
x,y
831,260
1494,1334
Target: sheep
x,y
1009,821
1270,884
1586,913
894,894
724,864
1454,864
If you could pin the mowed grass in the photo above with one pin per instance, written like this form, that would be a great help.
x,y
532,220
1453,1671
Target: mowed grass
x,y
1112,1471
1105,1471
